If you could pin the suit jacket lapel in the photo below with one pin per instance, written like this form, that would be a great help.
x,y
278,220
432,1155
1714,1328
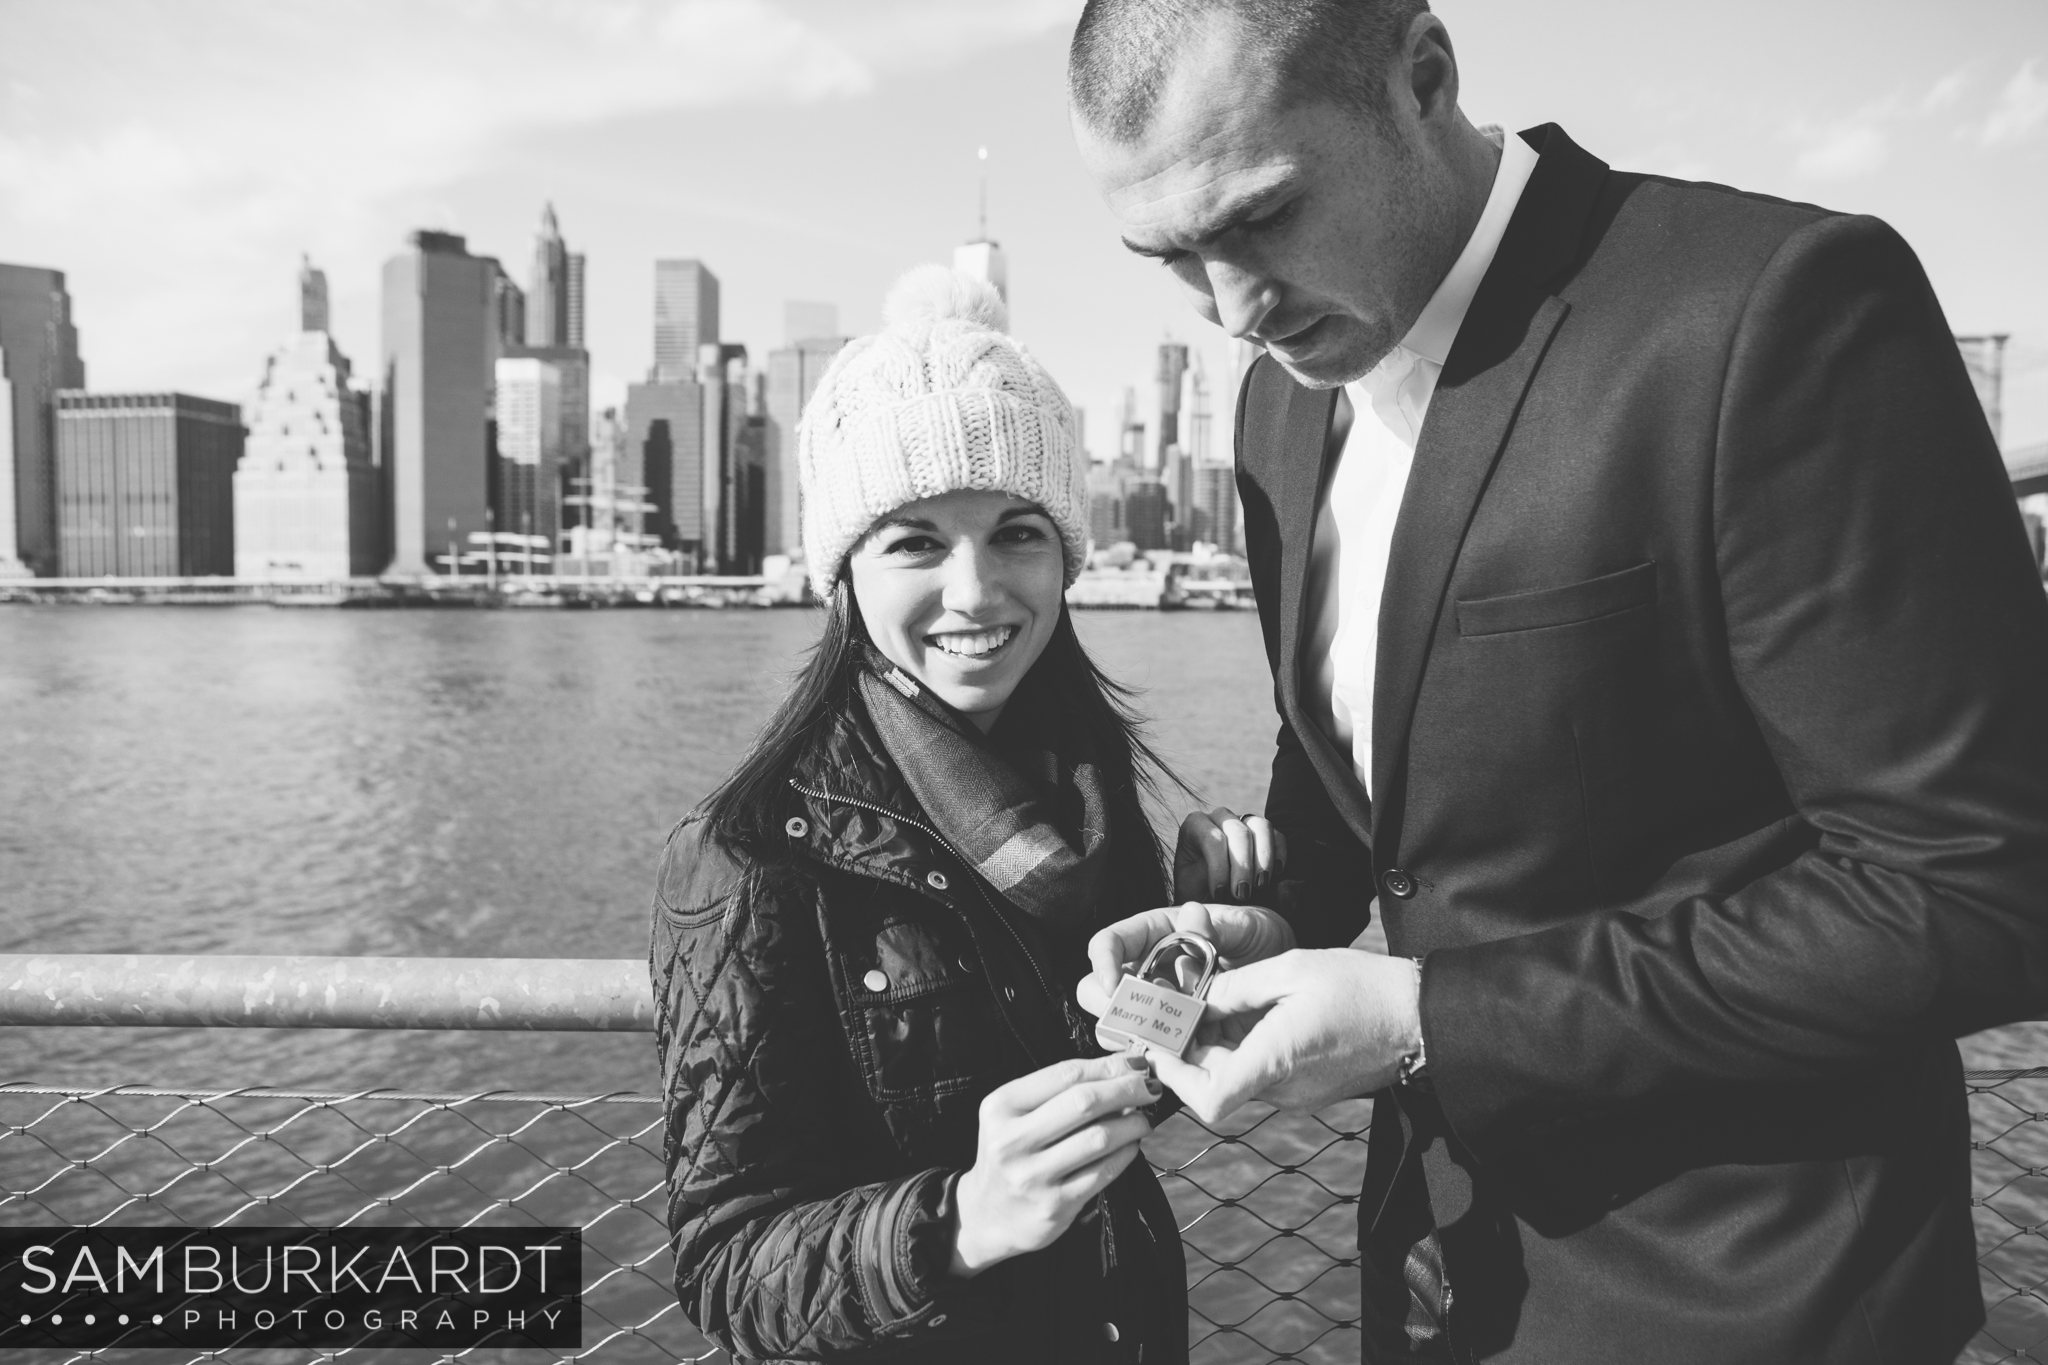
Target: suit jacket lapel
x,y
1305,458
1489,369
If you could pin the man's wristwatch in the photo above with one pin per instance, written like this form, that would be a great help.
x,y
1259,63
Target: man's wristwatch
x,y
1410,1068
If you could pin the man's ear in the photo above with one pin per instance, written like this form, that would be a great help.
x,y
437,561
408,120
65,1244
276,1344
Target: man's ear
x,y
1431,65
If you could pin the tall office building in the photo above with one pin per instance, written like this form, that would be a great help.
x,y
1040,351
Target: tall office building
x,y
685,317
145,484
526,498
1105,505
554,290
554,335
573,335
734,475
983,256
312,296
1173,368
1213,518
440,342
306,495
664,453
508,309
1148,513
984,260
793,372
39,356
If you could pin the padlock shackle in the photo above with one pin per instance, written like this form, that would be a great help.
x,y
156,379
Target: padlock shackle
x,y
1197,943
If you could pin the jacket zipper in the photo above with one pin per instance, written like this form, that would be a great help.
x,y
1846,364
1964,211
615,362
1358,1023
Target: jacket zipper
x,y
972,876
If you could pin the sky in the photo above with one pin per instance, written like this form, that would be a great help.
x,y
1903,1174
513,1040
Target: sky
x,y
174,159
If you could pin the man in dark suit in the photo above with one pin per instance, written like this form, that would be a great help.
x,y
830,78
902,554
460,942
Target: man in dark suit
x,y
1654,635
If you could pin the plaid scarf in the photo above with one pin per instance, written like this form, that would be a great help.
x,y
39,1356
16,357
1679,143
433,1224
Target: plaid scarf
x,y
1040,837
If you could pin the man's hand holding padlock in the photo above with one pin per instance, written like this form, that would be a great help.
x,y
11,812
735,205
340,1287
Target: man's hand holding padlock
x,y
1221,863
1299,1029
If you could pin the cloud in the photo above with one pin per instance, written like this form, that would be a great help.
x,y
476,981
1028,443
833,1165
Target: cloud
x,y
1854,147
176,158
2021,111
1944,92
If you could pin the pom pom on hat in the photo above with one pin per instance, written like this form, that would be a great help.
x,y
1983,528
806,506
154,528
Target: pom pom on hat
x,y
933,293
942,399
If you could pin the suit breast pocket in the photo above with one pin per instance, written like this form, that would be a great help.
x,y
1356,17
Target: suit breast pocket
x,y
1570,604
1558,696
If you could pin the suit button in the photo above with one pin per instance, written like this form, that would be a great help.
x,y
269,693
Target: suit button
x,y
936,880
1398,883
875,981
967,965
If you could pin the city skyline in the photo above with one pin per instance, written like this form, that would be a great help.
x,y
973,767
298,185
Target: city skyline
x,y
813,151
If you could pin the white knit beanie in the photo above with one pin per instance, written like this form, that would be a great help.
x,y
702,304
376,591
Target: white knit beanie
x,y
940,399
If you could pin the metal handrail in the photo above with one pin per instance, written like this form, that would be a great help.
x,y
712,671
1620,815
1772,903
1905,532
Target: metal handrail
x,y
205,991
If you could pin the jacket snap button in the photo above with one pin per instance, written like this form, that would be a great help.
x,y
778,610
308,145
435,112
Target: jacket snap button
x,y
938,1319
1109,1331
875,981
967,964
936,880
796,827
1009,992
1398,883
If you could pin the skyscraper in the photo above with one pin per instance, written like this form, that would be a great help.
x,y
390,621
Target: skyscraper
x,y
39,355
306,495
548,312
685,317
983,256
440,336
508,309
573,337
145,484
793,372
312,297
553,334
984,260
527,498
1173,367
734,480
664,453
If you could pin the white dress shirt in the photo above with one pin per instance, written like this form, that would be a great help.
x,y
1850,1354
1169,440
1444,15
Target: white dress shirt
x,y
1355,519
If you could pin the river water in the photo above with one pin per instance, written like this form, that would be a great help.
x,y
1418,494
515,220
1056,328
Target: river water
x,y
470,783
420,783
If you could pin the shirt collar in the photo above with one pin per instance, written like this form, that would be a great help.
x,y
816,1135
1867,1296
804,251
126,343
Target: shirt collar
x,y
1437,325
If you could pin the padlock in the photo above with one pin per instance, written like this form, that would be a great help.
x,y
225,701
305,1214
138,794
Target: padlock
x,y
1148,1008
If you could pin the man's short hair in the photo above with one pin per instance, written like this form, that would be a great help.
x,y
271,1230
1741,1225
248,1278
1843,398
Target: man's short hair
x,y
1335,50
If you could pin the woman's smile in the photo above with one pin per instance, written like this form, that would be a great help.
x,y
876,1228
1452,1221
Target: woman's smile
x,y
980,645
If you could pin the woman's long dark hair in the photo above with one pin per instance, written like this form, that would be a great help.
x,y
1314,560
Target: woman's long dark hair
x,y
748,809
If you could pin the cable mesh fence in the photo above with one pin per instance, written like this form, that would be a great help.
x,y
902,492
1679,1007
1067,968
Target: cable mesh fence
x,y
1267,1202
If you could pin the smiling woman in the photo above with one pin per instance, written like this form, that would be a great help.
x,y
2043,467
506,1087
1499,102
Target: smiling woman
x,y
963,592
890,1133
